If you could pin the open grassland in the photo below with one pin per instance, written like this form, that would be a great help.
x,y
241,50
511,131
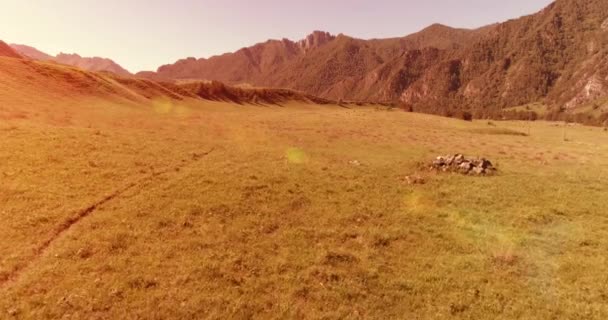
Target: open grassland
x,y
213,210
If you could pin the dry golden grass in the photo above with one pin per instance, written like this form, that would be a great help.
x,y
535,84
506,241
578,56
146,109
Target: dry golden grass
x,y
277,222
169,210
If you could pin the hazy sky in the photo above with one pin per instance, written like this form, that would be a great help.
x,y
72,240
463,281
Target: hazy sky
x,y
144,34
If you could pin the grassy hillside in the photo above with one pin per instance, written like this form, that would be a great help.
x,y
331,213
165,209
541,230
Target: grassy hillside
x,y
35,83
121,206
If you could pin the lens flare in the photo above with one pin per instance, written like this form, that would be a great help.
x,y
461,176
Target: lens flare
x,y
296,156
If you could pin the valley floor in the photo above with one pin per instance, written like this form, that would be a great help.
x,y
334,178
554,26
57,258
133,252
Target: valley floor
x,y
212,210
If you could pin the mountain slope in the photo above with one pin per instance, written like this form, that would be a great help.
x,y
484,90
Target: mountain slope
x,y
314,64
556,57
31,52
91,64
86,63
358,69
331,66
29,83
246,64
7,51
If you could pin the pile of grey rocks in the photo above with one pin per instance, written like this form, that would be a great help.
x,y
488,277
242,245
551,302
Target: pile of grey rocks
x,y
459,163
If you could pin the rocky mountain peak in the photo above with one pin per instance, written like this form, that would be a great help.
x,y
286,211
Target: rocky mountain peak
x,y
315,40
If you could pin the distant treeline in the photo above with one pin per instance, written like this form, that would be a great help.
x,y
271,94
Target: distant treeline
x,y
555,114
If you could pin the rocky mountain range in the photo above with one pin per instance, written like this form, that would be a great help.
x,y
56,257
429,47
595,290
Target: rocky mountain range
x,y
553,64
322,64
86,63
557,58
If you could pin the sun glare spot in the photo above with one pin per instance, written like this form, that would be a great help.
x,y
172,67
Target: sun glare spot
x,y
418,202
296,156
162,107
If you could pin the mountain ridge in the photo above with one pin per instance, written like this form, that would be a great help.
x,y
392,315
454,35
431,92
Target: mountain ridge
x,y
8,51
554,57
286,48
86,63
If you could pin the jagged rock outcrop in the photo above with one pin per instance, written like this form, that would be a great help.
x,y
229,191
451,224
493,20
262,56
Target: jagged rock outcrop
x,y
315,40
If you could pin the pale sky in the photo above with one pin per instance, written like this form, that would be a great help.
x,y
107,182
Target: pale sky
x,y
144,34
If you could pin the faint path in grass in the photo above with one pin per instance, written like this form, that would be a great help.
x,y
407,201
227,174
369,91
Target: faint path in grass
x,y
14,275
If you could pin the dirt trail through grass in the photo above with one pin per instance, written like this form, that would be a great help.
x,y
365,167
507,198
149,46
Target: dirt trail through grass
x,y
76,218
